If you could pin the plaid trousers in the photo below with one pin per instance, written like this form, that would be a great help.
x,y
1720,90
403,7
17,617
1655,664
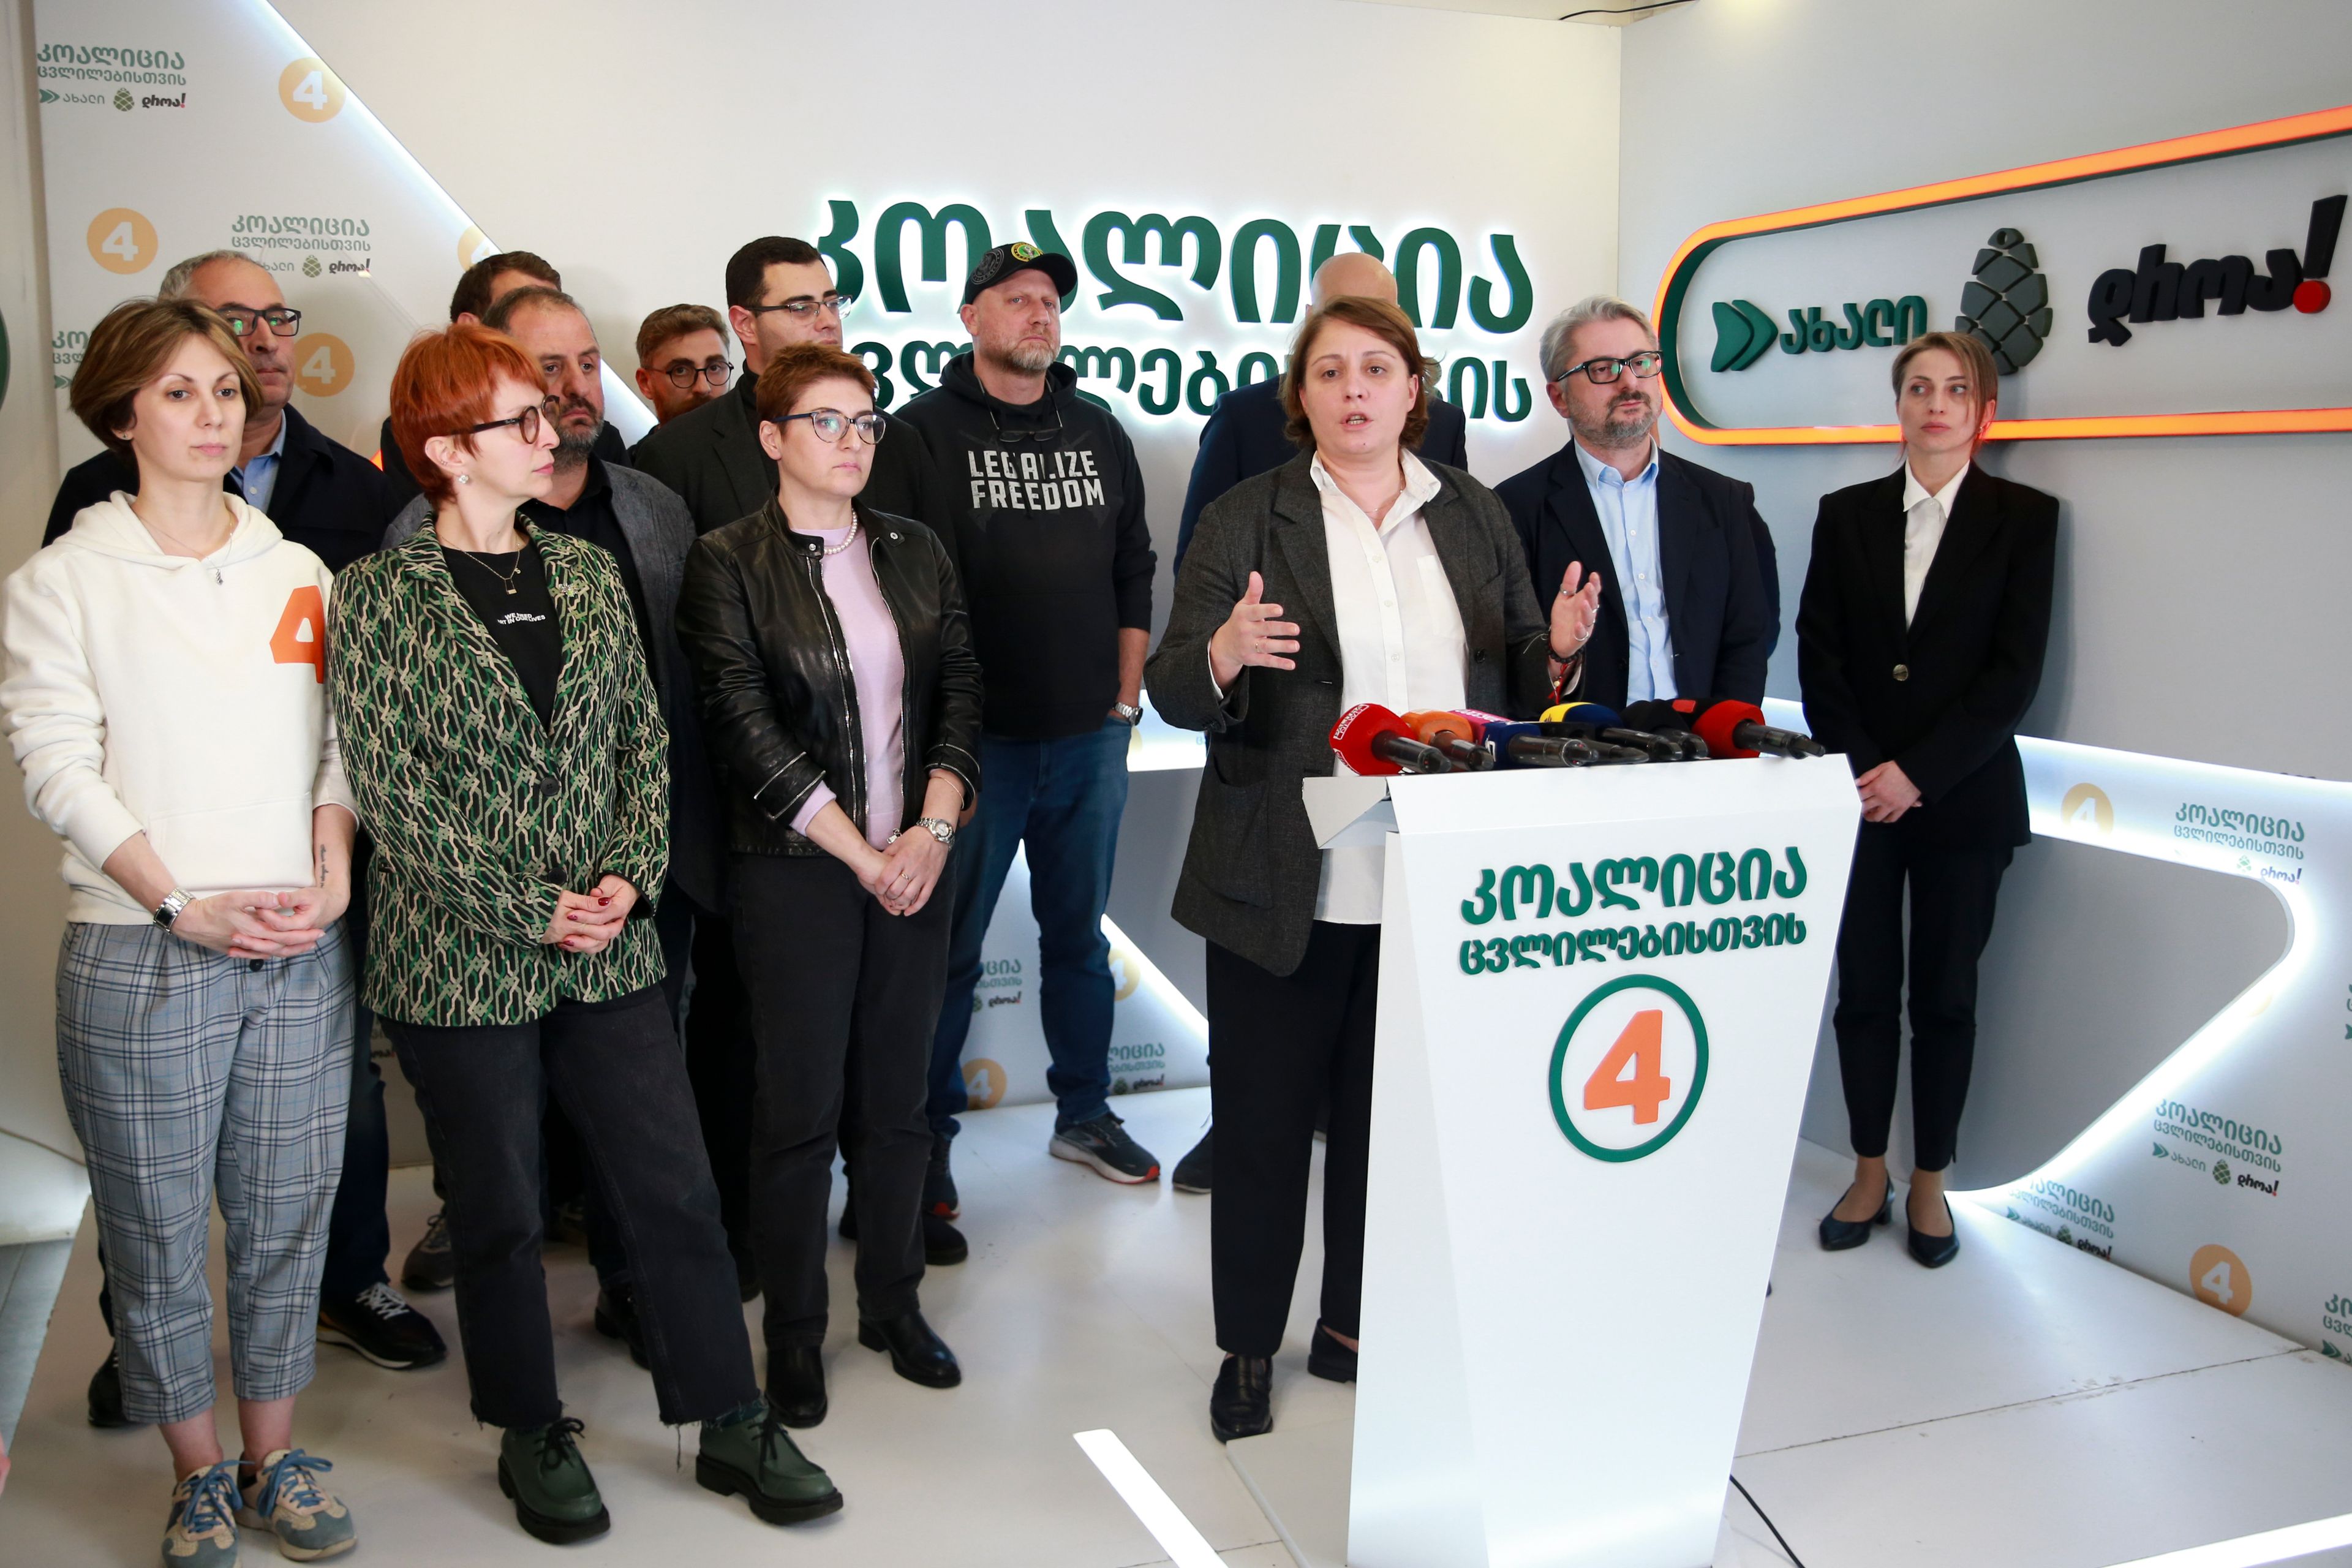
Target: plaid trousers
x,y
190,1075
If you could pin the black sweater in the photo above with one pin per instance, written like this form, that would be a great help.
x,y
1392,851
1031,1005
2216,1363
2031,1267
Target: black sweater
x,y
1050,539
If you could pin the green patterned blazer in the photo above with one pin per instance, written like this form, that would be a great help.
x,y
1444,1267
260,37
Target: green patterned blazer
x,y
480,815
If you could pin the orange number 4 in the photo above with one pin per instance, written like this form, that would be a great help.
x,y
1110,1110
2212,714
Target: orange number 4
x,y
1639,1045
301,634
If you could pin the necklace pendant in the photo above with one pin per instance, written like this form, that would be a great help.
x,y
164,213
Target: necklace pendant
x,y
511,590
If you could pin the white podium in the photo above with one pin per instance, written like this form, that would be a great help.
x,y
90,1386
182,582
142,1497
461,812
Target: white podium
x,y
1600,991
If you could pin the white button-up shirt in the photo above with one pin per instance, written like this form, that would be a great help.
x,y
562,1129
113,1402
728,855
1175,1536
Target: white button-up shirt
x,y
1924,513
1628,510
1400,644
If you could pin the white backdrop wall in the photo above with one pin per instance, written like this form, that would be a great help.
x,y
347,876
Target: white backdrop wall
x,y
2198,578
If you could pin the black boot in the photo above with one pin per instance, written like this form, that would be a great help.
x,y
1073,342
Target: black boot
x,y
796,1384
917,1354
1242,1404
1328,1358
616,1319
106,1394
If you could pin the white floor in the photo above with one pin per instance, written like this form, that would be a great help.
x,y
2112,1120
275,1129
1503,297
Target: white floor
x,y
2029,1406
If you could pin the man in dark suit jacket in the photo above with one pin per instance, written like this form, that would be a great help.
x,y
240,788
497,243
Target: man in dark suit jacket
x,y
1245,434
777,293
1690,587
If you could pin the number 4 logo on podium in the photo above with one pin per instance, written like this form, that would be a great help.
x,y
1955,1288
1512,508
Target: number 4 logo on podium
x,y
1628,1068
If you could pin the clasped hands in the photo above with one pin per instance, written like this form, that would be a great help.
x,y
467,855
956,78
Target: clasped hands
x,y
901,877
1887,792
254,923
587,923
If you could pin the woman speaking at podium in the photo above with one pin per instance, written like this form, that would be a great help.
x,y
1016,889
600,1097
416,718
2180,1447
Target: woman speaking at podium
x,y
1919,645
1355,572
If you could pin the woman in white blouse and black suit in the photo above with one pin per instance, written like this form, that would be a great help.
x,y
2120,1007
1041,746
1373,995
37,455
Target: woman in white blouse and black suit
x,y
1919,647
1293,604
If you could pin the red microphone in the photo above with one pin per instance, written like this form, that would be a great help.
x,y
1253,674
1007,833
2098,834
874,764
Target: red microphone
x,y
1455,734
1734,729
1375,743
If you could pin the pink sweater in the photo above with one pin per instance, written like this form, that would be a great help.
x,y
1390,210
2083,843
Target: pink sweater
x,y
878,670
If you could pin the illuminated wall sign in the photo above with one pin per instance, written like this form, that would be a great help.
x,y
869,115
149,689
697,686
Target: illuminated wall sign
x,y
1141,272
2029,259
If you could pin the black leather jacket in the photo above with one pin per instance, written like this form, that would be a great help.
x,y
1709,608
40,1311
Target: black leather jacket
x,y
771,671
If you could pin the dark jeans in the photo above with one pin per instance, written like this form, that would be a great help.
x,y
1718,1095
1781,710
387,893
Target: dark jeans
x,y
1952,896
1283,1044
1061,800
718,1065
844,997
613,1067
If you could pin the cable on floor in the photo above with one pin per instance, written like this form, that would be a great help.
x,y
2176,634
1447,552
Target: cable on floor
x,y
1787,1550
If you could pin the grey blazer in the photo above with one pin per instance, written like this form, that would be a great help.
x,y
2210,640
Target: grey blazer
x,y
659,530
1251,870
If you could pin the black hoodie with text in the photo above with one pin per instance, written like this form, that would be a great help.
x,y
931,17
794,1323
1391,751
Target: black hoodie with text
x,y
1045,517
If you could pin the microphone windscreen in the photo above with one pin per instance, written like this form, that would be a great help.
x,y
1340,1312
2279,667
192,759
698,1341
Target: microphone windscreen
x,y
1358,728
1718,723
1591,714
1662,716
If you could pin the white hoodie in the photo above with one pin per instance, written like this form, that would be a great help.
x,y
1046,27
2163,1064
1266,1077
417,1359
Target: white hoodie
x,y
184,698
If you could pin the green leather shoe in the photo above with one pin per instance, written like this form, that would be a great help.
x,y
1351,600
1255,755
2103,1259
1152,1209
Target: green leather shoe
x,y
750,1453
555,1497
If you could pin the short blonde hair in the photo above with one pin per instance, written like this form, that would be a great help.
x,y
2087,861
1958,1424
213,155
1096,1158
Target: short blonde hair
x,y
130,347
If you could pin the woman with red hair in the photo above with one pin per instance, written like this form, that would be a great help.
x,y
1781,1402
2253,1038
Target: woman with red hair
x,y
507,750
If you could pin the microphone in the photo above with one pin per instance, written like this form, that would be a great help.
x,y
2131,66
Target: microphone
x,y
1603,727
1375,743
1455,734
1730,728
1527,746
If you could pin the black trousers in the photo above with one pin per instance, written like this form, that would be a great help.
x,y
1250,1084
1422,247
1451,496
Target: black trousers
x,y
613,1067
1952,897
844,1000
1282,1044
719,1063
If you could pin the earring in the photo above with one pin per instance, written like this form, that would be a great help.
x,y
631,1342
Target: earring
x,y
464,479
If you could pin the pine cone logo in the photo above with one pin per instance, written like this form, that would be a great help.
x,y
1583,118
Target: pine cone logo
x,y
311,267
122,98
2005,304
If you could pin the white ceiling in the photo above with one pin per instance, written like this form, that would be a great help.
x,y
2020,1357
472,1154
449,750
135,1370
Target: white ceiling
x,y
1604,13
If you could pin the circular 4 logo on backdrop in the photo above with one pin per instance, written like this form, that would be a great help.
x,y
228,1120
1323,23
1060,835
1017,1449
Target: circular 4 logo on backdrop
x,y
2086,807
1628,1067
121,240
983,1082
322,364
309,91
2218,1278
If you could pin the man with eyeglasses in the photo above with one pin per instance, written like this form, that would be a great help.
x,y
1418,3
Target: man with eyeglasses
x,y
1689,585
682,359
647,531
322,495
779,293
1046,521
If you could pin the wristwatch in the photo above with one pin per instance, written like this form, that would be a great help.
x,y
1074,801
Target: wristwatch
x,y
169,910
938,828
1127,711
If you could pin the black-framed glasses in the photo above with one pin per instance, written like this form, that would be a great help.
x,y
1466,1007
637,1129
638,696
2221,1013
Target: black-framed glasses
x,y
283,319
1039,435
683,376
1601,372
802,307
526,423
829,423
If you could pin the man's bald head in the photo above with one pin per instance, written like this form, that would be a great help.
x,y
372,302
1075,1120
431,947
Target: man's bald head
x,y
1352,275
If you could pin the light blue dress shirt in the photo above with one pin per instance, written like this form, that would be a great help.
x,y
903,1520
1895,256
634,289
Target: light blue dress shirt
x,y
257,480
1628,521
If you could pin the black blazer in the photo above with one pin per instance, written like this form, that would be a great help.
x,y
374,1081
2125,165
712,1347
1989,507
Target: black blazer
x,y
1944,696
1244,436
1713,547
327,497
1252,865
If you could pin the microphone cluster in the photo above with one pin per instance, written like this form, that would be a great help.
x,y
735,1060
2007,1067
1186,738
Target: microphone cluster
x,y
1376,742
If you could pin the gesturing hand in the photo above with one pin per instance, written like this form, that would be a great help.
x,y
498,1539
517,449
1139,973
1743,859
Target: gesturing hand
x,y
1886,793
1575,611
1255,634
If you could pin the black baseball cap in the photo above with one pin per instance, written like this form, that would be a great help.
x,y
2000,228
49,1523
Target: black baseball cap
x,y
1019,255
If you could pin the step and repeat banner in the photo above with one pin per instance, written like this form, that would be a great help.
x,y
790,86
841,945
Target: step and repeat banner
x,y
168,131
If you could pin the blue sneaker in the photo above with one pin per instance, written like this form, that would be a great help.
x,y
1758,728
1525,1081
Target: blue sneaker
x,y
202,1529
1102,1142
287,1499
